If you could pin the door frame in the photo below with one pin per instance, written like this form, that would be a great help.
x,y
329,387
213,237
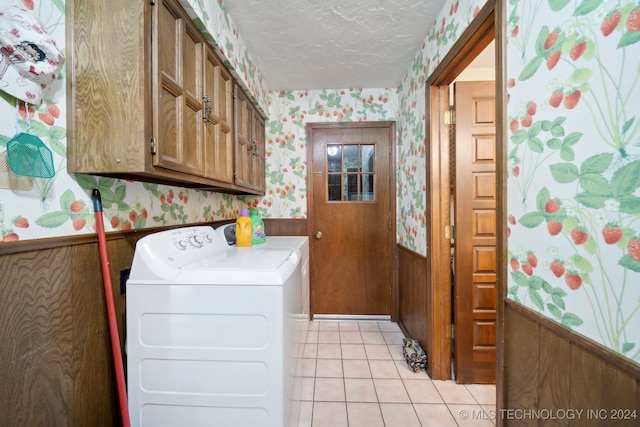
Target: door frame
x,y
393,258
487,25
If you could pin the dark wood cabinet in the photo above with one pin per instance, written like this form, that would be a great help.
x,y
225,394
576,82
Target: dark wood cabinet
x,y
178,91
250,144
218,120
150,100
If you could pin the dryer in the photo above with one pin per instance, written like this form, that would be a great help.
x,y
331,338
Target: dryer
x,y
215,332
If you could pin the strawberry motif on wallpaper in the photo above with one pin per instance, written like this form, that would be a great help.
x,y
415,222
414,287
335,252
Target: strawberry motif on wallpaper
x,y
574,166
44,121
583,49
444,32
604,93
597,223
72,209
41,121
286,168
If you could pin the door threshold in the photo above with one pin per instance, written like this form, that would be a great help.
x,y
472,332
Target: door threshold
x,y
352,317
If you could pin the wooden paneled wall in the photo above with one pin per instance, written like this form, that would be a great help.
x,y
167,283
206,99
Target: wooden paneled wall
x,y
285,227
550,369
412,294
55,353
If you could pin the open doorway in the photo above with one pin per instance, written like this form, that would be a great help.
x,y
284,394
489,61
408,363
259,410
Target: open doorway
x,y
470,316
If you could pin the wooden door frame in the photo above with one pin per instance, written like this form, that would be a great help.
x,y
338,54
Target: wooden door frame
x,y
487,25
393,258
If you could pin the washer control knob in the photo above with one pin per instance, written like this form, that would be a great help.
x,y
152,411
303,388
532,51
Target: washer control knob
x,y
196,241
208,238
181,244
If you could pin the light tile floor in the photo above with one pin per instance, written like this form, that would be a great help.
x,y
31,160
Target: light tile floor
x,y
355,375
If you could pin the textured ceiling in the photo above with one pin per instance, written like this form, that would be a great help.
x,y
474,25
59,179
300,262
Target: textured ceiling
x,y
333,44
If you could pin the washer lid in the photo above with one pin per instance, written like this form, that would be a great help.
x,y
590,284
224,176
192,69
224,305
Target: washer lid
x,y
243,259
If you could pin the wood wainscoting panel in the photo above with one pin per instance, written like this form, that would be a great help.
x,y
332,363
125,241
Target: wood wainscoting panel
x,y
95,392
554,373
37,336
550,371
55,358
521,364
56,366
412,295
602,390
285,226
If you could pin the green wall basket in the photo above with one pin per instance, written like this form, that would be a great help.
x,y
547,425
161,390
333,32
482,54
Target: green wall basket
x,y
28,156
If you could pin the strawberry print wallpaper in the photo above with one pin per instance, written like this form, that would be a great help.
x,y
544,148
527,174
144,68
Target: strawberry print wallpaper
x,y
289,112
574,165
411,160
32,208
572,141
42,207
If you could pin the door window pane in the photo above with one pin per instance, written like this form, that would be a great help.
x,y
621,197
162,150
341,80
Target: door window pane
x,y
334,191
334,158
351,187
350,172
367,186
367,160
351,158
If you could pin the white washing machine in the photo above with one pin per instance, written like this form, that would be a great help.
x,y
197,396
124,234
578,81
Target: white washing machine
x,y
215,332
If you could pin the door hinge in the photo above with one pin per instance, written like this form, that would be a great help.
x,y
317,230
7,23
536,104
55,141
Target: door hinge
x,y
234,93
451,331
154,146
235,174
152,2
450,232
450,117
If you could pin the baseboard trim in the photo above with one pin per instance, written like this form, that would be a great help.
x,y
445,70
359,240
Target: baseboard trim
x,y
351,317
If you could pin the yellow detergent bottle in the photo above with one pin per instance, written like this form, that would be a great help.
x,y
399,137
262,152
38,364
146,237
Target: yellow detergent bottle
x,y
243,229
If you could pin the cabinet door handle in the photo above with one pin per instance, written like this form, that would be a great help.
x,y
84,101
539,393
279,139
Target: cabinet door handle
x,y
207,109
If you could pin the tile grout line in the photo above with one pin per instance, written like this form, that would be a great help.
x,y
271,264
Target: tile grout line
x,y
393,360
372,381
371,377
404,385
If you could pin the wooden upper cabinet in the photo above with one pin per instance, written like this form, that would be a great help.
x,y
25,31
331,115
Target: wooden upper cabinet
x,y
250,144
258,158
149,99
243,119
218,120
178,91
109,86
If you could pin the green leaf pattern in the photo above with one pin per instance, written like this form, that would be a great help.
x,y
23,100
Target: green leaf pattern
x,y
574,166
572,134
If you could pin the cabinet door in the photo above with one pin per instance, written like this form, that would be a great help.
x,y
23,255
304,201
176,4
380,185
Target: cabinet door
x,y
178,57
258,157
243,147
108,98
218,120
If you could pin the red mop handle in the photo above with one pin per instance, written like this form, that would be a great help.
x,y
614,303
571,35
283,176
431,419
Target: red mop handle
x,y
111,310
